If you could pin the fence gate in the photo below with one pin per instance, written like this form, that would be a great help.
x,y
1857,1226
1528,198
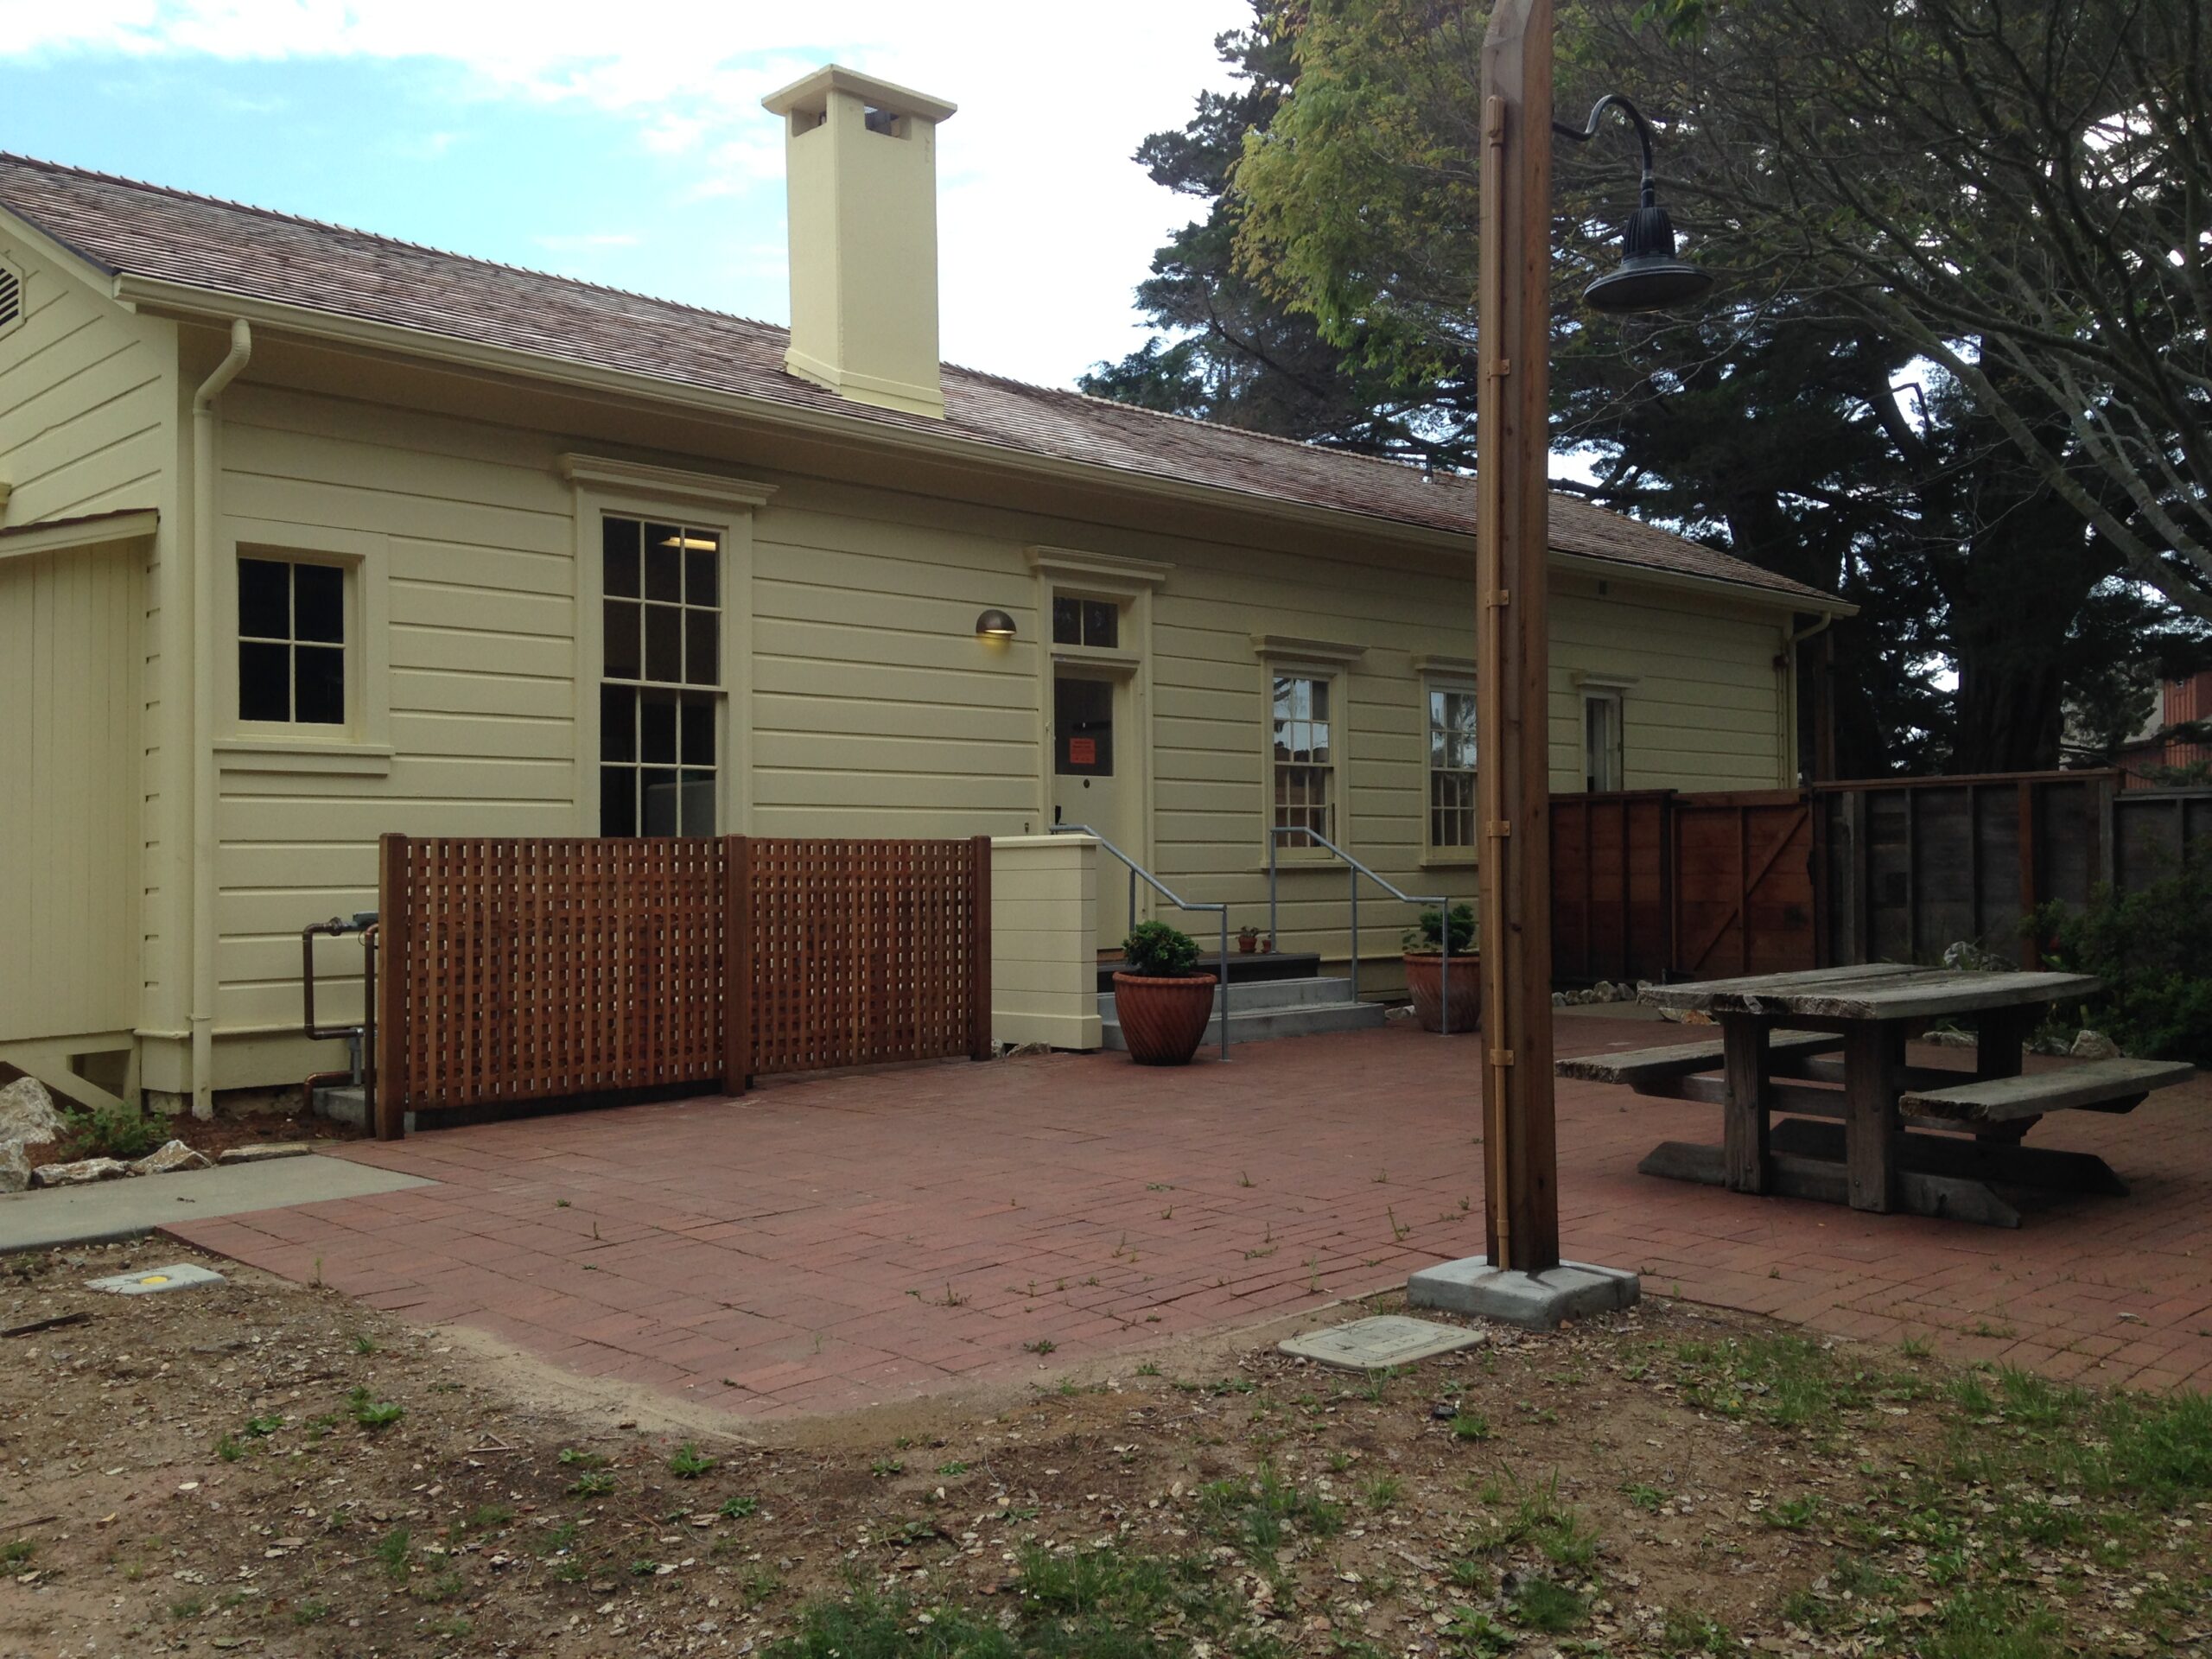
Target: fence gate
x,y
1743,898
1612,884
529,970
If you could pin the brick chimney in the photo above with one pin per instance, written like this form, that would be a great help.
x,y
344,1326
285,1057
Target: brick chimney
x,y
860,162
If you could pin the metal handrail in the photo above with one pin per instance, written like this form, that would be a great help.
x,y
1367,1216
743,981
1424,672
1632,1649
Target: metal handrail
x,y
1165,891
1355,869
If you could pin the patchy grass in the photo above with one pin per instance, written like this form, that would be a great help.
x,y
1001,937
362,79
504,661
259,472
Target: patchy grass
x,y
1667,1482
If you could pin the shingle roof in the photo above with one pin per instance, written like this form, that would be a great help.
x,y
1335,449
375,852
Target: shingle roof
x,y
144,230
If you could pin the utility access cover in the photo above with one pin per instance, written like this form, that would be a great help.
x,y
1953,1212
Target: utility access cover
x,y
153,1280
1377,1344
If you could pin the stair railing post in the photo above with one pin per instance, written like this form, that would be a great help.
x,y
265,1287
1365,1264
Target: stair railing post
x,y
1443,970
1223,990
1352,871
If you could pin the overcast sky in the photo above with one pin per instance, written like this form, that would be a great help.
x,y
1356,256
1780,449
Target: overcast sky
x,y
528,134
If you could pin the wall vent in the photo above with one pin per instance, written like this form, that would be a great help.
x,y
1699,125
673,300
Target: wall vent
x,y
11,296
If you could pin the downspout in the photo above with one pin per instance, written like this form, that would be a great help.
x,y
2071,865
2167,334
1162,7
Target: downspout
x,y
202,629
1787,661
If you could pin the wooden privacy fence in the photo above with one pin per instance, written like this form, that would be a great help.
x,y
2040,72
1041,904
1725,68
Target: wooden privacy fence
x,y
1613,885
1914,864
2153,829
1654,884
531,969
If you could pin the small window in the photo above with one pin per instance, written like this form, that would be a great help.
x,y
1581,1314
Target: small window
x,y
660,699
1095,622
1451,767
1304,759
291,642
1604,764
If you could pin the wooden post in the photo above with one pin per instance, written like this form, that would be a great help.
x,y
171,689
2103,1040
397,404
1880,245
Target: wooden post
x,y
737,964
1512,516
1748,1129
1870,1115
979,953
393,968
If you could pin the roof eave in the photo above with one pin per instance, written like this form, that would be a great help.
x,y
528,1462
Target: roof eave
x,y
187,299
1593,564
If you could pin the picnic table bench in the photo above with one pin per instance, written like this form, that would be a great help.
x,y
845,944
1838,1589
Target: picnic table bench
x,y
1859,1124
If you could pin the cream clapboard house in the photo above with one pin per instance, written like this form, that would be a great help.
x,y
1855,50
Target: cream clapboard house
x,y
307,535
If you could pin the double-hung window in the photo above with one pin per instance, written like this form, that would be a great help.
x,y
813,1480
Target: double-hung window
x,y
1451,767
659,695
1303,757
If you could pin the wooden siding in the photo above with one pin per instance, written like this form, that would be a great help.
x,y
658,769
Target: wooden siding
x,y
69,751
88,423
868,707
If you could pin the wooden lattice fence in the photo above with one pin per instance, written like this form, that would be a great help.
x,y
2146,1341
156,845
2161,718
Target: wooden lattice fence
x,y
530,969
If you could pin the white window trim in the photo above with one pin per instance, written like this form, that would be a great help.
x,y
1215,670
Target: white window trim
x,y
362,747
1330,662
1435,677
1598,690
625,489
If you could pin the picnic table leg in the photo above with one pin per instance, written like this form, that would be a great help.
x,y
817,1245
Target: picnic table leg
x,y
2000,1038
1748,1117
1871,1064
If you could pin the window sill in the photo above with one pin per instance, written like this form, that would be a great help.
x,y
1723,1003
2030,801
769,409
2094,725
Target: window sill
x,y
1451,861
333,757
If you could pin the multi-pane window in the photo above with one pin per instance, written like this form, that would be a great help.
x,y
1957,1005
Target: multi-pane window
x,y
291,642
659,696
1450,767
1086,621
1304,759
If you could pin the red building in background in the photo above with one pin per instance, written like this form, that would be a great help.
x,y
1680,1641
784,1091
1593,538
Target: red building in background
x,y
2180,702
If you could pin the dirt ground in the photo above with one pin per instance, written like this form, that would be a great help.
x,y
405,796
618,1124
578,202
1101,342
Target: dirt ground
x,y
265,1468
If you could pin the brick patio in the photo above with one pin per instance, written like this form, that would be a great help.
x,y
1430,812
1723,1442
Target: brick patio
x,y
834,1242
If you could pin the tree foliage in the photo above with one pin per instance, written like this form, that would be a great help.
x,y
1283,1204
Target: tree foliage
x,y
1998,600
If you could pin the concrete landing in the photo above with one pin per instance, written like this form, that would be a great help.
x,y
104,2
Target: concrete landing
x,y
140,1204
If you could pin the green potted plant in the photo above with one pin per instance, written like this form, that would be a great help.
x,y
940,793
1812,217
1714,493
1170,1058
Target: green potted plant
x,y
1162,999
1424,970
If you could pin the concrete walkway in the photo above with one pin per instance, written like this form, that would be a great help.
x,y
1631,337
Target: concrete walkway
x,y
143,1204
838,1240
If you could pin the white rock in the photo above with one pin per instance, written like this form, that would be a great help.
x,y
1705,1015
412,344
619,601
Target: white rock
x,y
27,1112
2093,1046
174,1156
83,1173
14,1167
1559,999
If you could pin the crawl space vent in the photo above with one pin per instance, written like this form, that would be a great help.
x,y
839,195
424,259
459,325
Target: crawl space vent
x,y
11,297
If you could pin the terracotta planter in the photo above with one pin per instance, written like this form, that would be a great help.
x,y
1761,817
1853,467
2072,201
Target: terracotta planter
x,y
1425,979
1163,1021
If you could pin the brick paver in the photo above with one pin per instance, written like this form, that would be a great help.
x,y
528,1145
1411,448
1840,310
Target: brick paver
x,y
840,1241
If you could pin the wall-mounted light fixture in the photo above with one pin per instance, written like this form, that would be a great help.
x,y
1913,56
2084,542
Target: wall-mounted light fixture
x,y
995,624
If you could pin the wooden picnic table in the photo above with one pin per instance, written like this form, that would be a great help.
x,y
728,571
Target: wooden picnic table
x,y
1779,1034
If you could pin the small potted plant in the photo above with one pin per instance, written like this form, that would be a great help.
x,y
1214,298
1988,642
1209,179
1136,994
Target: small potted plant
x,y
1248,940
1162,999
1425,971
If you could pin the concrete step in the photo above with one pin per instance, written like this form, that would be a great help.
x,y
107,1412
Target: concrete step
x,y
1259,1013
1311,993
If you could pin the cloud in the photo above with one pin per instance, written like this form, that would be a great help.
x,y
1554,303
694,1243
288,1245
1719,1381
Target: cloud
x,y
1046,224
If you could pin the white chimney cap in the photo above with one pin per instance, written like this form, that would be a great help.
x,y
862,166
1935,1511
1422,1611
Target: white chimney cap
x,y
811,93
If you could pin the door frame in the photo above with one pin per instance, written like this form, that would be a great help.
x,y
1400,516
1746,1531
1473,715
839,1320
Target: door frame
x,y
1131,584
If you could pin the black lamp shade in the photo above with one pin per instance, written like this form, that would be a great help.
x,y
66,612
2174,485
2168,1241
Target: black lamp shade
x,y
995,624
1648,277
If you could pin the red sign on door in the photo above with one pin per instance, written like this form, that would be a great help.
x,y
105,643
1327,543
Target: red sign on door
x,y
1083,751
